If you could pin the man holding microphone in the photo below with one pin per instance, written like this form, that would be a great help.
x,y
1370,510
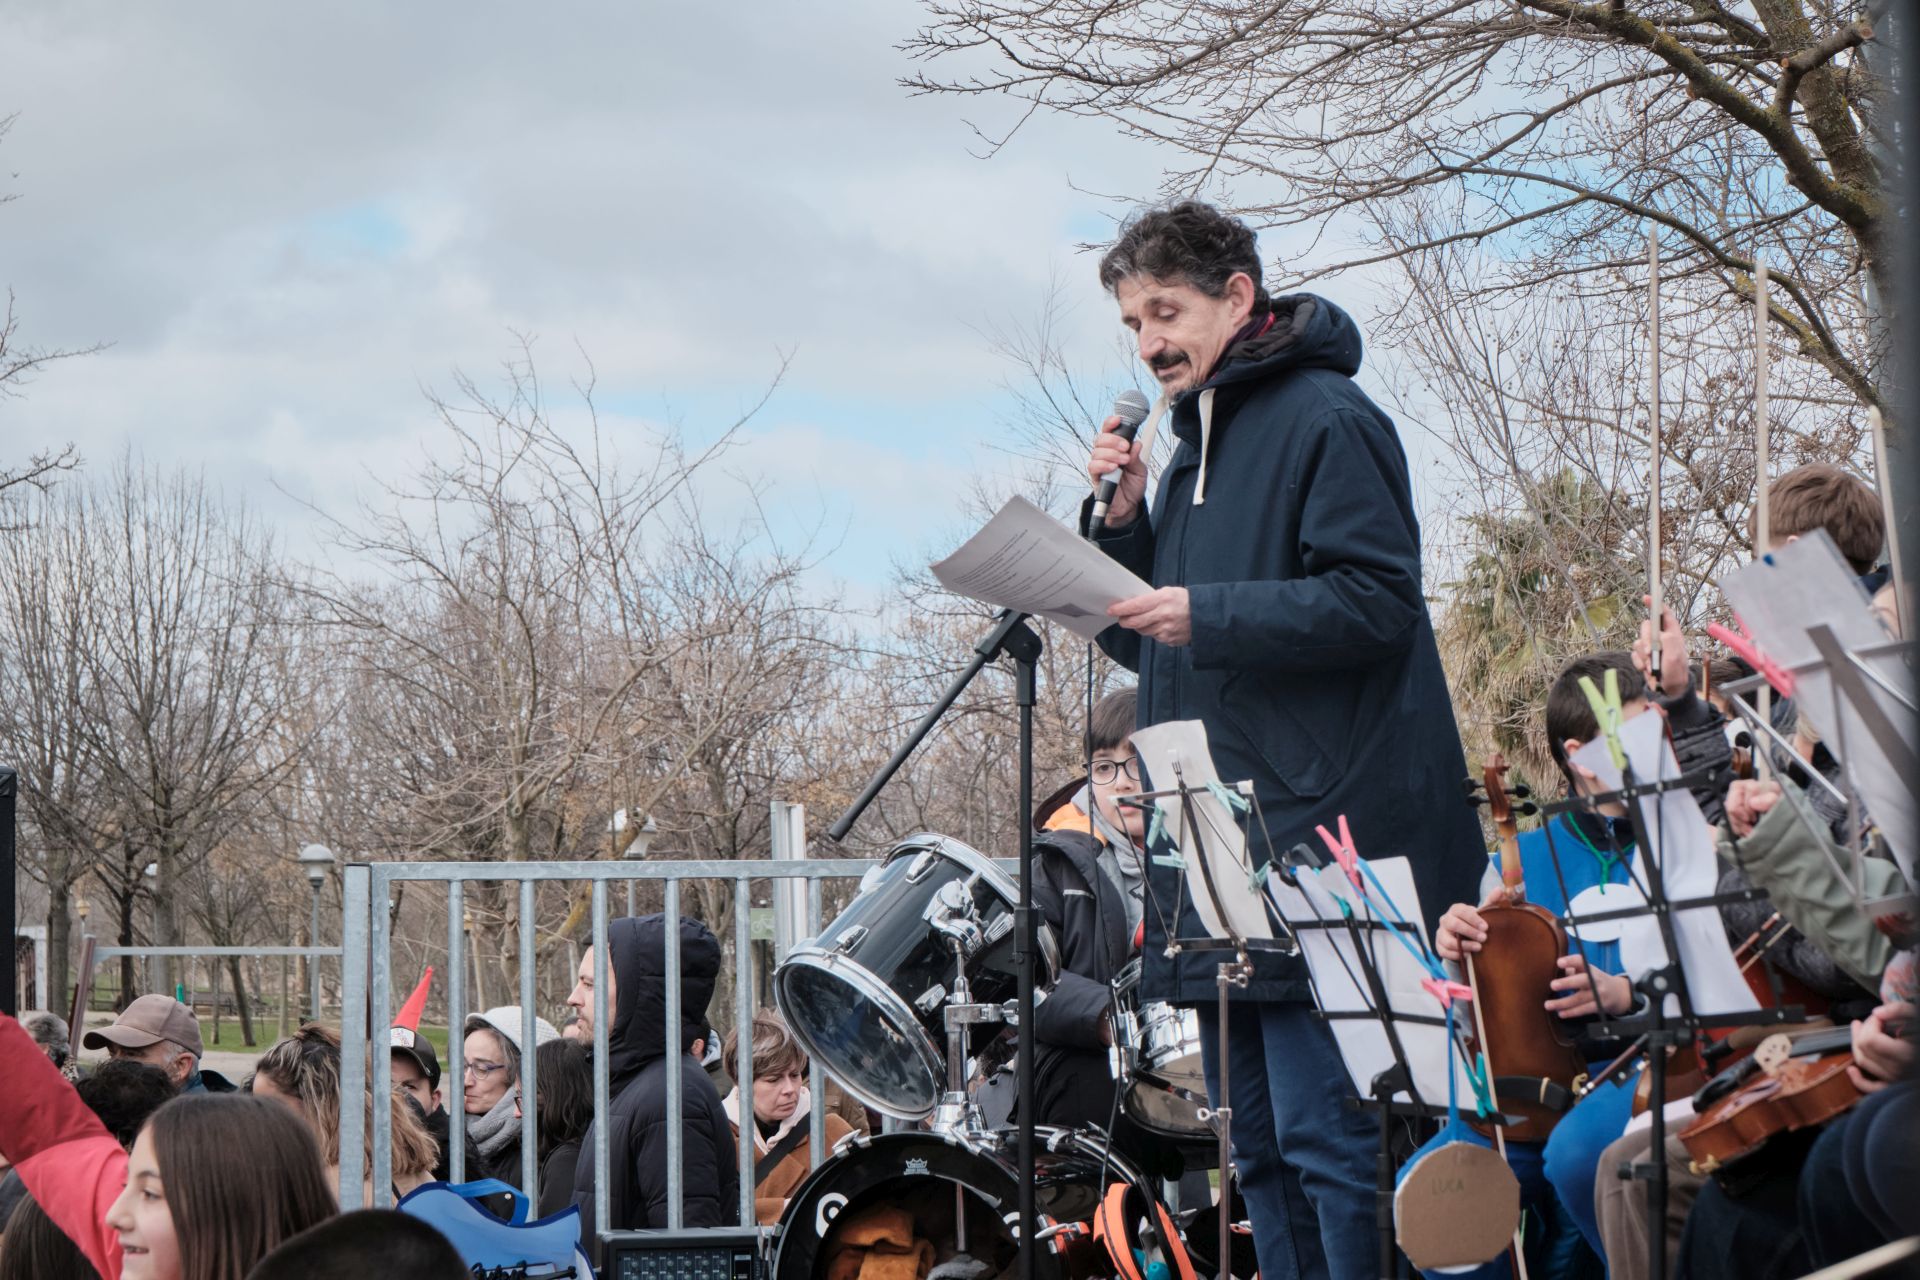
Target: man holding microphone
x,y
1286,615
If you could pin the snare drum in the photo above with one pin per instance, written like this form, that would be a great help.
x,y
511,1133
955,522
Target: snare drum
x,y
867,998
1163,1085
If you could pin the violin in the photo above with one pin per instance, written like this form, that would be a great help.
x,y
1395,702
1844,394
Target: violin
x,y
1803,1083
1531,1060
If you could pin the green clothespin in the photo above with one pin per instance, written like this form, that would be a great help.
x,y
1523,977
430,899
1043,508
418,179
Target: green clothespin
x,y
1157,825
1606,710
1257,877
1235,802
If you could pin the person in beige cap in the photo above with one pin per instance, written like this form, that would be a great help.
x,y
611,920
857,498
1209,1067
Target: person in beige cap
x,y
161,1032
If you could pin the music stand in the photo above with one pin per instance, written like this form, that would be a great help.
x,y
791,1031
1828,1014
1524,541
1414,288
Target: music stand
x,y
1384,1086
1657,1028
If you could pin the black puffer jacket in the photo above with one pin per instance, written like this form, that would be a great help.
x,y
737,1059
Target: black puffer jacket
x,y
1082,906
638,1065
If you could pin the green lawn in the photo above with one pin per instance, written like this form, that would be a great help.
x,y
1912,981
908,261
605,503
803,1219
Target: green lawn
x,y
266,1028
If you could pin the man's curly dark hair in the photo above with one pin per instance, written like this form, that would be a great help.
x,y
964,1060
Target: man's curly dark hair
x,y
1189,241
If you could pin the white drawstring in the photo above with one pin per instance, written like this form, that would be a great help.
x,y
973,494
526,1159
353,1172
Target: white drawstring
x,y
1206,431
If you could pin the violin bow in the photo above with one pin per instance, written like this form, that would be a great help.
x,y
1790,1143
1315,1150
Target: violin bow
x,y
1762,469
1653,435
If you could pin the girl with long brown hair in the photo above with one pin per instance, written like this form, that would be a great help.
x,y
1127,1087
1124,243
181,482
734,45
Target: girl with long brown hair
x,y
213,1182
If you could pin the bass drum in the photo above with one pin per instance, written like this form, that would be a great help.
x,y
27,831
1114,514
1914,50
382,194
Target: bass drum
x,y
929,1174
867,998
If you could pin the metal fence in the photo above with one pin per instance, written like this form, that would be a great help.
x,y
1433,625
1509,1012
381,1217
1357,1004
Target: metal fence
x,y
367,1004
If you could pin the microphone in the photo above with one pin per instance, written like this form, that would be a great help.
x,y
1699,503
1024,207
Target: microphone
x,y
1131,408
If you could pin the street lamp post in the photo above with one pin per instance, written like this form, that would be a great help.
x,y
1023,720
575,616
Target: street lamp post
x,y
637,847
315,860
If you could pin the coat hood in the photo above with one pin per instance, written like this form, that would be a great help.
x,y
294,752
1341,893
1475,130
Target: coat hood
x,y
1307,332
1302,331
637,949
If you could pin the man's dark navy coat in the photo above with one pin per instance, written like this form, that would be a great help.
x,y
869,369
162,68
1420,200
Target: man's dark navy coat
x,y
1312,663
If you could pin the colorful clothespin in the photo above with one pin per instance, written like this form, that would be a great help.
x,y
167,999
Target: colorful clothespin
x,y
1156,825
1343,852
1744,645
1446,990
1233,800
1606,710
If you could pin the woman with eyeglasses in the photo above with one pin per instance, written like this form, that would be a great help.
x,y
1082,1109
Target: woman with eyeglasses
x,y
490,1057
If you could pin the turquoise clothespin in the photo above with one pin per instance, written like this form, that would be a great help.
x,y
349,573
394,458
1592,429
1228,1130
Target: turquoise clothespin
x,y
1157,825
1235,802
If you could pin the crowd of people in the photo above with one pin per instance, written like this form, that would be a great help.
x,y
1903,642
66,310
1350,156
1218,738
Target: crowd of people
x,y
1286,614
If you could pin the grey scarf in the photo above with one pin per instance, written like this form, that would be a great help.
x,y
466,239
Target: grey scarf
x,y
1120,860
494,1130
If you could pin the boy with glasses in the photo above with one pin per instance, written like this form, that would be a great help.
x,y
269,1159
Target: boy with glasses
x,y
1088,886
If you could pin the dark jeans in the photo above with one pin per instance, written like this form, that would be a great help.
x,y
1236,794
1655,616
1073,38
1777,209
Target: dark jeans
x,y
1305,1158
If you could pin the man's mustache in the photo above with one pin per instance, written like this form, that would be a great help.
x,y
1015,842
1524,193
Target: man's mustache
x,y
1166,359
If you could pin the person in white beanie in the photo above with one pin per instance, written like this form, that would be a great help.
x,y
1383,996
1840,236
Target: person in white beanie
x,y
490,1055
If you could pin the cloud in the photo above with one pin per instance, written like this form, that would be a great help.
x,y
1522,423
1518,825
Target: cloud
x,y
287,222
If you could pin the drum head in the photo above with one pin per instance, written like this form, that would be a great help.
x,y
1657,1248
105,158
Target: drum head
x,y
862,1033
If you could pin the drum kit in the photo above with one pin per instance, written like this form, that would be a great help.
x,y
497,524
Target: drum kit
x,y
905,999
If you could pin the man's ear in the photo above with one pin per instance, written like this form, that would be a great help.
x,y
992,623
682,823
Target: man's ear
x,y
1240,292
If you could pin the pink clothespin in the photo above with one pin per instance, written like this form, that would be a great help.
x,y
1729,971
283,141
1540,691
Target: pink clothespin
x,y
1343,852
1745,646
1446,991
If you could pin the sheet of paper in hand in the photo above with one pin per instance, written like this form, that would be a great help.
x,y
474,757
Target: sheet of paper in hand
x,y
1222,881
1024,559
1675,834
1808,584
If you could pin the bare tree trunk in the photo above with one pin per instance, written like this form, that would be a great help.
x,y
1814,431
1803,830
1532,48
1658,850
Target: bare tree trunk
x,y
240,1001
126,940
59,941
213,983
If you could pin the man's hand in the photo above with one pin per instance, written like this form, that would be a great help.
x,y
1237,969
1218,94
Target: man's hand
x,y
1461,930
1674,672
1881,1054
1575,998
1161,615
1748,800
1111,452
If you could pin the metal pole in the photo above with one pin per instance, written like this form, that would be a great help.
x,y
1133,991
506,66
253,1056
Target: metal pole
x,y
355,894
530,1036
816,1075
379,1015
455,1077
602,1077
1025,656
313,962
676,1176
743,1034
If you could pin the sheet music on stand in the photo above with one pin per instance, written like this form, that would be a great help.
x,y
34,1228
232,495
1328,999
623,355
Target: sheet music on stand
x,y
1782,599
1175,753
1675,834
1339,972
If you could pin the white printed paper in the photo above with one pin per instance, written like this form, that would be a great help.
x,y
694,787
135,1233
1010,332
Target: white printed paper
x,y
1208,838
1338,981
1808,584
1675,838
1024,559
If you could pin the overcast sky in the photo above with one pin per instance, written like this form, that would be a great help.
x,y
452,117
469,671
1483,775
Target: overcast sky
x,y
287,221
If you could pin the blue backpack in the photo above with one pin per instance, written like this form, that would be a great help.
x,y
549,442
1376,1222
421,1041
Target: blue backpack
x,y
548,1248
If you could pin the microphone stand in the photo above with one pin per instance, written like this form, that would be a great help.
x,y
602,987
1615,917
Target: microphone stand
x,y
1014,637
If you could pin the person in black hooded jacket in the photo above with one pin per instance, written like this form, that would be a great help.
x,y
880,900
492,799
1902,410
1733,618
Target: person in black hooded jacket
x,y
1287,615
638,1064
